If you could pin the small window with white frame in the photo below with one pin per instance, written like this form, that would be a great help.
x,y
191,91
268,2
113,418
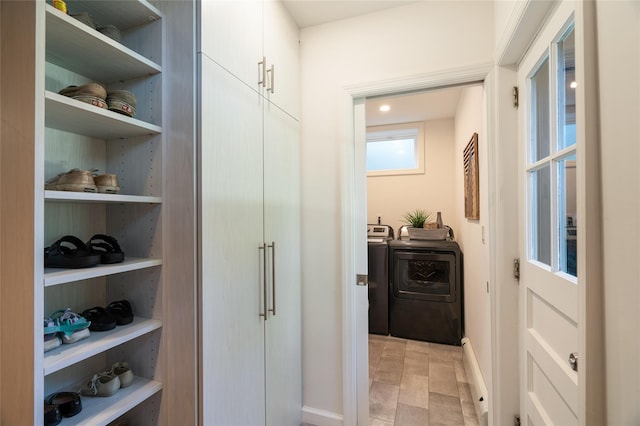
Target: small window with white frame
x,y
396,149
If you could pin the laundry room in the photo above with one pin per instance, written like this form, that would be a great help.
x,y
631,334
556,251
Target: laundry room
x,y
419,163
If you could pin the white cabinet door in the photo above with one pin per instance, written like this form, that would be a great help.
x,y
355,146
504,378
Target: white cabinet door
x,y
282,227
281,48
231,230
231,35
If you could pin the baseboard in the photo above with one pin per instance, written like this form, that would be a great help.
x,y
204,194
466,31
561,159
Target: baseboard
x,y
316,417
476,382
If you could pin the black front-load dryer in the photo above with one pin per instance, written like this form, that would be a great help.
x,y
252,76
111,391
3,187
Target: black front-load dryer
x,y
425,290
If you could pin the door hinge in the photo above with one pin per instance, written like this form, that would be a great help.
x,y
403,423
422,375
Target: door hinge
x,y
516,268
516,96
516,420
362,279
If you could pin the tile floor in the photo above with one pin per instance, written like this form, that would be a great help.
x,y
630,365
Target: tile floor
x,y
414,383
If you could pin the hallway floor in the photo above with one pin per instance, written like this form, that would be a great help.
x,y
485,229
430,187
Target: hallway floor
x,y
414,383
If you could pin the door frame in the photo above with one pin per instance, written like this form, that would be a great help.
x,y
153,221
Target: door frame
x,y
354,207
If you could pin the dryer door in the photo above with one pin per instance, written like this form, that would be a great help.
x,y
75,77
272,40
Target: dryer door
x,y
424,275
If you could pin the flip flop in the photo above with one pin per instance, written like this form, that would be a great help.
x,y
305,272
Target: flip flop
x,y
106,247
69,252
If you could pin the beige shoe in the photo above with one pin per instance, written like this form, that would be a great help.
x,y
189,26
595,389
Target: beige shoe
x,y
124,373
107,183
73,180
122,101
101,384
92,93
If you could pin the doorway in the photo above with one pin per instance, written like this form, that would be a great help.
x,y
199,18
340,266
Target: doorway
x,y
447,118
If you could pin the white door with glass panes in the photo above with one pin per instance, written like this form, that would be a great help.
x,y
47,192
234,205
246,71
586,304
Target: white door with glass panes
x,y
553,224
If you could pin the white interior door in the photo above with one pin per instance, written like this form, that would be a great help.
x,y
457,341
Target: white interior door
x,y
554,223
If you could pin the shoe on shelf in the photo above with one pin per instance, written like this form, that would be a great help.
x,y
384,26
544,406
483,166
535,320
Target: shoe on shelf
x,y
68,403
69,252
121,309
101,384
51,341
110,31
107,247
65,321
107,183
101,320
122,101
91,93
76,336
124,373
85,18
74,180
52,415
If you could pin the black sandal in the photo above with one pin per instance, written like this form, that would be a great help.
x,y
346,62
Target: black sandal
x,y
69,252
107,247
122,311
68,403
101,320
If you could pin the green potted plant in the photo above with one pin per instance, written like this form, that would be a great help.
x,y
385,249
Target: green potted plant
x,y
416,218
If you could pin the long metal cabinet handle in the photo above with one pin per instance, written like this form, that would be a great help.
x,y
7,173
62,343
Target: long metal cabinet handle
x,y
263,248
262,72
273,277
271,72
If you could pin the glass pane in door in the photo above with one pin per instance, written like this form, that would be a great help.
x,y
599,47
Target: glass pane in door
x,y
539,212
566,91
539,140
567,216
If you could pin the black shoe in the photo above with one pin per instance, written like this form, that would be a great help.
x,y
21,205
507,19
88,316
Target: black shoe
x,y
101,320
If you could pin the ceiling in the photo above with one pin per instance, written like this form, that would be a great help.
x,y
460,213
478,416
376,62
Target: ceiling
x,y
420,106
307,13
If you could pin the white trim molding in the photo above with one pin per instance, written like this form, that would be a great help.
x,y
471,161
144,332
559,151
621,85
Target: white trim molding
x,y
316,417
437,79
354,329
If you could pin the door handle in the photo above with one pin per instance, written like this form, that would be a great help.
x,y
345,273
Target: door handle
x,y
263,313
272,246
573,361
271,72
262,72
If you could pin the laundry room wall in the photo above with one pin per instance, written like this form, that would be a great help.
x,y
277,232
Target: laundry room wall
x,y
415,39
472,235
390,197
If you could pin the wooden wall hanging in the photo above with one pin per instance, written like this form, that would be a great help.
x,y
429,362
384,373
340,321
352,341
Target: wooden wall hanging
x,y
471,180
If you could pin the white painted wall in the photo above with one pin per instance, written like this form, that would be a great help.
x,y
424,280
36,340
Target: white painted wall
x,y
411,40
470,119
618,25
433,191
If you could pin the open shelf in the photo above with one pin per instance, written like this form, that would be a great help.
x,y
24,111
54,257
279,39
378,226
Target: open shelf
x,y
93,197
55,276
135,14
65,355
71,115
103,410
74,45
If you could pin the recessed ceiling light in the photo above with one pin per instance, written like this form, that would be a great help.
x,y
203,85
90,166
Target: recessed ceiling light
x,y
573,84
385,108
